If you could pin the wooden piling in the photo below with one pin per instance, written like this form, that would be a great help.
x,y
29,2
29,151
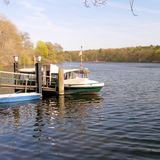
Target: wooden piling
x,y
38,67
61,81
15,67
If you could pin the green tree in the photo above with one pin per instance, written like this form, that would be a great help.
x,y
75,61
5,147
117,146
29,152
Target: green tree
x,y
42,49
52,55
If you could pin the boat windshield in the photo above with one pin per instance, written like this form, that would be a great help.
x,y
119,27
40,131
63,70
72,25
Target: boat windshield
x,y
73,75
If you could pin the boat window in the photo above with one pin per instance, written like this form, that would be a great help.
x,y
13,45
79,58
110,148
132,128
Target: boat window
x,y
70,75
75,74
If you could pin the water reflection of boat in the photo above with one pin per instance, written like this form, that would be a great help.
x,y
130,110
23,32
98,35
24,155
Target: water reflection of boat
x,y
77,105
84,98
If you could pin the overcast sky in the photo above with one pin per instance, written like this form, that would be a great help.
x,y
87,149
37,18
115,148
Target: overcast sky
x,y
72,25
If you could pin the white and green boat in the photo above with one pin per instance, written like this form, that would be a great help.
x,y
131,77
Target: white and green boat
x,y
76,81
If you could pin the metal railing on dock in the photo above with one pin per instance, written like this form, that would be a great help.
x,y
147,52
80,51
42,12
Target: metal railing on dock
x,y
17,80
26,82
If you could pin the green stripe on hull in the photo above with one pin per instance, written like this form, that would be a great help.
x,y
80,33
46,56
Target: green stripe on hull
x,y
86,90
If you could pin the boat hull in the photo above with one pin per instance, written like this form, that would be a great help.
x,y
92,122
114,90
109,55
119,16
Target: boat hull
x,y
82,86
8,98
82,90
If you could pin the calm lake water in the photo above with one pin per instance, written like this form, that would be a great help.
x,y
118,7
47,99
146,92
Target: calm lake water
x,y
121,123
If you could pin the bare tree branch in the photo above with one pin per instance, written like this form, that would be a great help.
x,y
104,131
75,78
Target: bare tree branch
x,y
6,1
131,5
94,2
102,2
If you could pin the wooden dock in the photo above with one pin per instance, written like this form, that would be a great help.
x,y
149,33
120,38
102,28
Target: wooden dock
x,y
25,82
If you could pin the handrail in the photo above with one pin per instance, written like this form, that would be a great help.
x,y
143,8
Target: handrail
x,y
25,79
15,73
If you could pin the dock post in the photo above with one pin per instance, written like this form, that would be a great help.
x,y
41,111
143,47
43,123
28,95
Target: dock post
x,y
15,70
61,81
15,65
38,67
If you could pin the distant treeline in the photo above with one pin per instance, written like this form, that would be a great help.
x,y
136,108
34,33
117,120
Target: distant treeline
x,y
16,43
131,54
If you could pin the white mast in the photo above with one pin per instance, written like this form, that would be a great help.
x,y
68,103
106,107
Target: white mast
x,y
80,54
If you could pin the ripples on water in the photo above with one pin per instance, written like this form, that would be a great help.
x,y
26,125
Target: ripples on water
x,y
122,122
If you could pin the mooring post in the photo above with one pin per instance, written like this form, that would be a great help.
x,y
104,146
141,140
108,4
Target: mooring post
x,y
15,65
38,70
61,81
15,69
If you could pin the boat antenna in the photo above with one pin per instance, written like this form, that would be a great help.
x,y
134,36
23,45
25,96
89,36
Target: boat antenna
x,y
80,54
